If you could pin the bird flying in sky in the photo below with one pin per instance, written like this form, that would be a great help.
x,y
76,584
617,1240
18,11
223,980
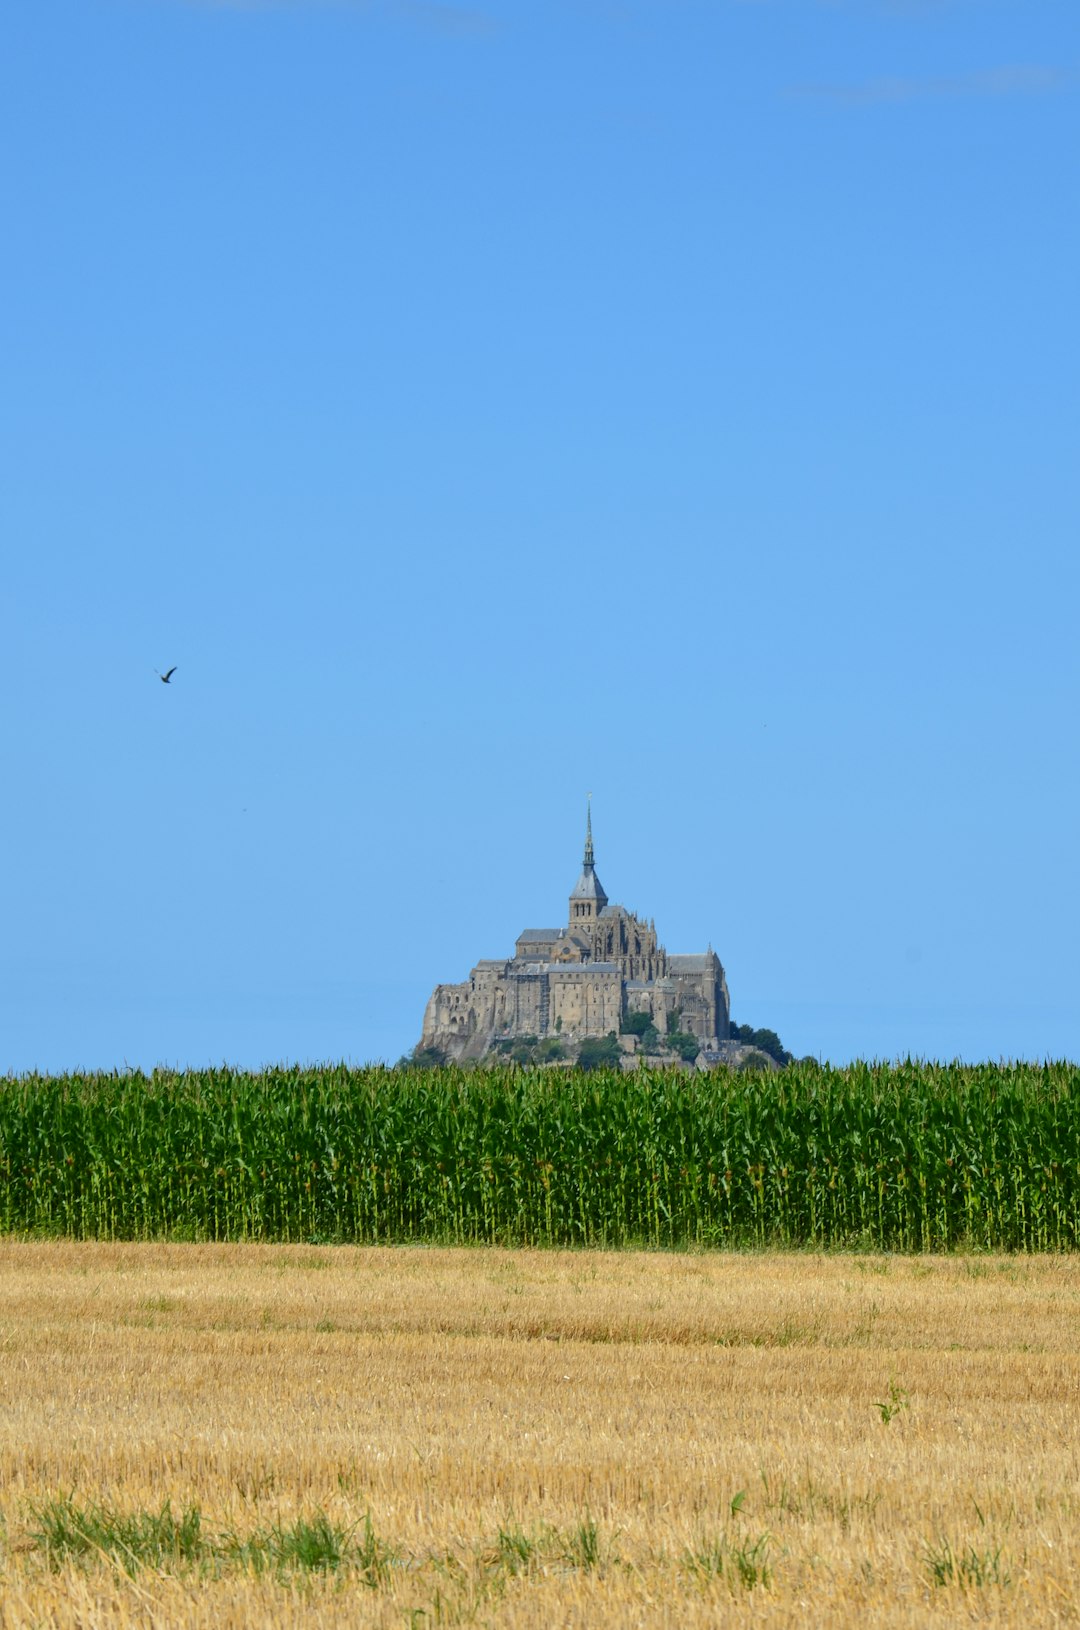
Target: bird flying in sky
x,y
166,677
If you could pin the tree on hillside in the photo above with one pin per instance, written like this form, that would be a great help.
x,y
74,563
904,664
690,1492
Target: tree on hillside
x,y
767,1041
599,1052
425,1058
682,1042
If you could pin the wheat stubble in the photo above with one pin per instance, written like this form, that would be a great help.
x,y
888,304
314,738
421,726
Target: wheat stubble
x,y
453,1394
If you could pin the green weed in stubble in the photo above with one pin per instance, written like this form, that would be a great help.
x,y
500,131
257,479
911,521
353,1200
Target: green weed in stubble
x,y
965,1565
742,1561
895,1404
315,1544
514,1549
64,1529
583,1547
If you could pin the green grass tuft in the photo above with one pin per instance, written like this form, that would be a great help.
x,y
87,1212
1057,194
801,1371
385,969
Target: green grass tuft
x,y
134,1540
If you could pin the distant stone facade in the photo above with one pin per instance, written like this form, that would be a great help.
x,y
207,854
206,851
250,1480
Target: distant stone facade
x,y
580,981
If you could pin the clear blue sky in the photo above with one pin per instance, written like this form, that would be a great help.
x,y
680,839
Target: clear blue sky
x,y
483,405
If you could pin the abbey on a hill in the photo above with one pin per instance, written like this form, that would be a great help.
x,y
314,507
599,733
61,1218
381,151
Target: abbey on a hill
x,y
580,981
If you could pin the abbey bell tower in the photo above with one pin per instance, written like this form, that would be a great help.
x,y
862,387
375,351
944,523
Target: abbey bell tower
x,y
588,899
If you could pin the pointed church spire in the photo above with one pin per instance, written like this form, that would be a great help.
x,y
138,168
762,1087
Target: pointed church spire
x,y
588,899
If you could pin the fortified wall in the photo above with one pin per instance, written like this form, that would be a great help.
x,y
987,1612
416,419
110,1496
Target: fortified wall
x,y
580,981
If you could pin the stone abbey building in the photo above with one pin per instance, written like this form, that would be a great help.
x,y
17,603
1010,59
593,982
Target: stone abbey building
x,y
580,981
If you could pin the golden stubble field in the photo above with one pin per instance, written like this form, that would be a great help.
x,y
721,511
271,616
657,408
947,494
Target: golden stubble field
x,y
537,1439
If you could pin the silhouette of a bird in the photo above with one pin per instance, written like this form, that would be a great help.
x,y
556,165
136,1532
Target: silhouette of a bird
x,y
166,677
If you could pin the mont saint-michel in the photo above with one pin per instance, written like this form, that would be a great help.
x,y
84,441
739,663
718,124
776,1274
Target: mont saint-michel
x,y
604,972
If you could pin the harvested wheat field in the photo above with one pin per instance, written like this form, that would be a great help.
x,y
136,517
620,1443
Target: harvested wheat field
x,y
226,1435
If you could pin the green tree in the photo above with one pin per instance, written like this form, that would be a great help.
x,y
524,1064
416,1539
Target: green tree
x,y
635,1024
650,1038
426,1058
766,1040
599,1052
687,1046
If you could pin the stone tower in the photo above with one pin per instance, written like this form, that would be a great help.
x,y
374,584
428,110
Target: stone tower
x,y
588,899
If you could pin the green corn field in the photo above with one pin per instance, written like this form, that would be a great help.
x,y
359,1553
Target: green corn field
x,y
902,1157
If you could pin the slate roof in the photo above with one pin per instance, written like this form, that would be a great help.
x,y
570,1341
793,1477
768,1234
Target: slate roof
x,y
589,886
532,936
700,962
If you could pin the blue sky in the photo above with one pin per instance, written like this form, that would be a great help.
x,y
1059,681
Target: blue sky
x,y
484,405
